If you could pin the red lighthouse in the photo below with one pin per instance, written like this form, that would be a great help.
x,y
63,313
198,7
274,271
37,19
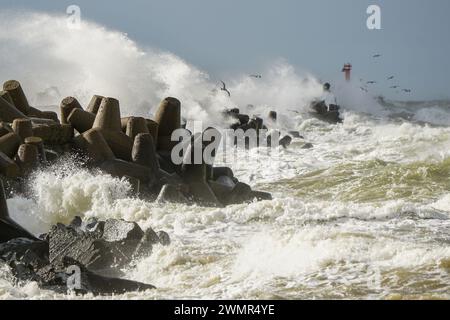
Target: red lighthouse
x,y
347,69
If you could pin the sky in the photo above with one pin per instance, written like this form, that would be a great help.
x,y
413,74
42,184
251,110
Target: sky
x,y
318,36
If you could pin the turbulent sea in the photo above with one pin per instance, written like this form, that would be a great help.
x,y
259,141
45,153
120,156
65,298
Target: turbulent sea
x,y
364,214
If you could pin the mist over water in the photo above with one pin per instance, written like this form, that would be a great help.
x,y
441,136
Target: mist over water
x,y
364,214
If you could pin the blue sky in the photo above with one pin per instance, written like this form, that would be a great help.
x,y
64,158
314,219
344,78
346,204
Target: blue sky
x,y
225,37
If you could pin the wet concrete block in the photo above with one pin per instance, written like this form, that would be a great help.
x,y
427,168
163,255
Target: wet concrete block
x,y
23,128
120,143
168,117
27,157
18,96
39,144
94,104
136,125
120,168
8,112
8,167
144,153
81,120
108,115
9,144
93,143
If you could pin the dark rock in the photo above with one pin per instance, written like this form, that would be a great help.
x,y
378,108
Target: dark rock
x,y
75,244
18,96
296,134
164,238
120,230
307,146
222,171
285,141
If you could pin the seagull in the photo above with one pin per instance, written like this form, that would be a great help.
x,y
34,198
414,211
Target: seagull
x,y
257,76
377,55
394,87
364,89
371,82
224,88
406,90
391,77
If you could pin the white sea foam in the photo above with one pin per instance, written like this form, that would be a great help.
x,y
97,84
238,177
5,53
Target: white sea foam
x,y
318,244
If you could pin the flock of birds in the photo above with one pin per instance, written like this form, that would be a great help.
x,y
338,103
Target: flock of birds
x,y
390,78
363,87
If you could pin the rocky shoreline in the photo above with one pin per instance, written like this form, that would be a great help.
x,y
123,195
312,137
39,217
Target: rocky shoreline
x,y
134,148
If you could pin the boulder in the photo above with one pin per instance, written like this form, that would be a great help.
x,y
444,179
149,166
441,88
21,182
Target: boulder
x,y
5,95
285,141
8,167
296,134
135,126
164,238
107,246
5,128
108,116
120,144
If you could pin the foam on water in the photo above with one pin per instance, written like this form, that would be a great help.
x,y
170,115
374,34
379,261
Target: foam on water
x,y
363,214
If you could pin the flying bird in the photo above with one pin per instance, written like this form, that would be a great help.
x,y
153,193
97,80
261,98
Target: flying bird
x,y
406,90
224,88
257,76
371,82
394,87
377,55
391,77
364,89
